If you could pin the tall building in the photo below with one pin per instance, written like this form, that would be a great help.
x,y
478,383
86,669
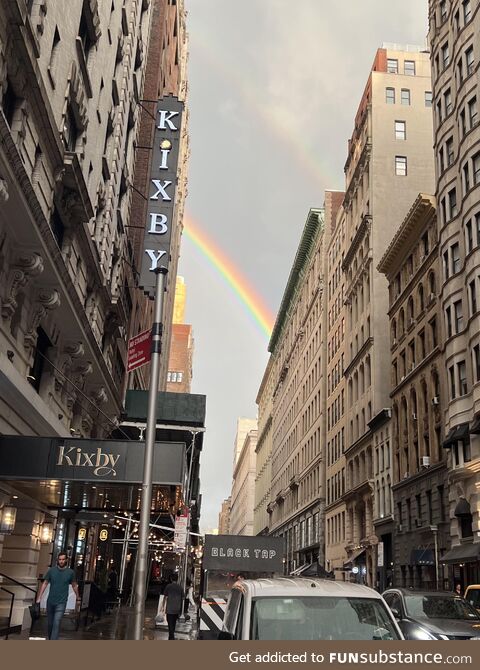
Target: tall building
x,y
263,473
389,161
244,426
71,86
243,487
293,393
224,517
412,486
335,511
180,372
454,39
165,74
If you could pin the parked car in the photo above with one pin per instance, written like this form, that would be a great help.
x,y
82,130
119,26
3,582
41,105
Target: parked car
x,y
306,609
472,596
433,615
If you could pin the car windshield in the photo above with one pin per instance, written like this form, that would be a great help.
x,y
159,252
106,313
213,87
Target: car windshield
x,y
320,618
439,607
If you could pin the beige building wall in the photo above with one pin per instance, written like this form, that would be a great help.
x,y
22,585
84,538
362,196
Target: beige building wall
x,y
410,474
297,504
224,517
335,512
244,426
454,38
243,489
263,472
389,161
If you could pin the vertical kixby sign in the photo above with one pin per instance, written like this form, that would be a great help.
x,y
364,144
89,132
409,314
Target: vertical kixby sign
x,y
162,189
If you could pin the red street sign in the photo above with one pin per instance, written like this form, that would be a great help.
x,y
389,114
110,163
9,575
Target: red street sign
x,y
139,350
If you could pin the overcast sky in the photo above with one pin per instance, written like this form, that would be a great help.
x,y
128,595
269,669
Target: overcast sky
x,y
274,88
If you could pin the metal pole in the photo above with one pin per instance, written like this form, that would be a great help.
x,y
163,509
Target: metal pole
x,y
435,535
187,501
123,564
146,502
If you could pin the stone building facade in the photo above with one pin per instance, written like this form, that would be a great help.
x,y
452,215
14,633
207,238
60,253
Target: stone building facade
x,y
418,472
296,382
71,86
263,470
243,488
335,465
388,161
454,39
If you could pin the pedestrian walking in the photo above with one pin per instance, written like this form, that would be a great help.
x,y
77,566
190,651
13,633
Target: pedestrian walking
x,y
172,604
59,577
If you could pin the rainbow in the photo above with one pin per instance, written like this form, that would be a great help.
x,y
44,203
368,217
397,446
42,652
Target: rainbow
x,y
240,286
312,162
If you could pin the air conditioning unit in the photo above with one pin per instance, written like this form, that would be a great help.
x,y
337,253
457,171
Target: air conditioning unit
x,y
406,475
402,378
425,461
394,341
411,322
414,416
400,527
435,400
418,523
431,297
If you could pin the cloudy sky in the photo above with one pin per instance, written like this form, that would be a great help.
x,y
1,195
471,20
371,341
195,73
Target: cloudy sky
x,y
274,87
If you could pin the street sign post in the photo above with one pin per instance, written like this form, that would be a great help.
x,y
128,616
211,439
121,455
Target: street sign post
x,y
139,350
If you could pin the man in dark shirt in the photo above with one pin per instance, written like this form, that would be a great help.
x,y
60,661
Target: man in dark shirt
x,y
173,601
59,577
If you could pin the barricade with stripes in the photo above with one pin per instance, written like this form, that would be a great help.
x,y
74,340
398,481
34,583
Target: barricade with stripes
x,y
212,612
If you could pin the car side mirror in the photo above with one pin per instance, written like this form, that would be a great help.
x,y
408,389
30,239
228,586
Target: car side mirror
x,y
395,613
224,635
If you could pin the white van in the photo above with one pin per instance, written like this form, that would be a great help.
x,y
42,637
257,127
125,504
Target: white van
x,y
306,609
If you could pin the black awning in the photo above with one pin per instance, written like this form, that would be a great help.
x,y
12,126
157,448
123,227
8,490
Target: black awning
x,y
462,508
475,426
462,553
460,432
422,557
356,554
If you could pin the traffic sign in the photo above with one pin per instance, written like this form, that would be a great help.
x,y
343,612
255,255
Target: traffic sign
x,y
139,350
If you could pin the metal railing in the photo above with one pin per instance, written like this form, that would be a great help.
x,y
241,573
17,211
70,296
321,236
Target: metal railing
x,y
12,599
9,618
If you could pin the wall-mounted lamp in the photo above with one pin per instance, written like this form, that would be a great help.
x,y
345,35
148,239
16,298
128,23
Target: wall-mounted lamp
x,y
8,516
46,532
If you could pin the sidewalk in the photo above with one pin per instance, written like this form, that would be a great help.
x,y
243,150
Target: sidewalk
x,y
114,626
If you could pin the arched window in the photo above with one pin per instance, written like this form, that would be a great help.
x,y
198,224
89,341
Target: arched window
x,y
431,283
421,298
401,322
410,310
394,330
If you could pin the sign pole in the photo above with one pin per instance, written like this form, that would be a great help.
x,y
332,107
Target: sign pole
x,y
146,500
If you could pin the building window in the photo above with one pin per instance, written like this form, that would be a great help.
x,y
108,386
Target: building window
x,y
41,348
451,374
443,11
448,318
473,297
409,67
467,10
57,226
405,97
473,112
452,202
392,65
428,98
458,310
462,377
445,55
476,168
85,32
9,103
468,236
71,130
463,123
476,362
466,178
400,130
469,60
447,99
455,250
390,96
449,151
401,166
477,224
